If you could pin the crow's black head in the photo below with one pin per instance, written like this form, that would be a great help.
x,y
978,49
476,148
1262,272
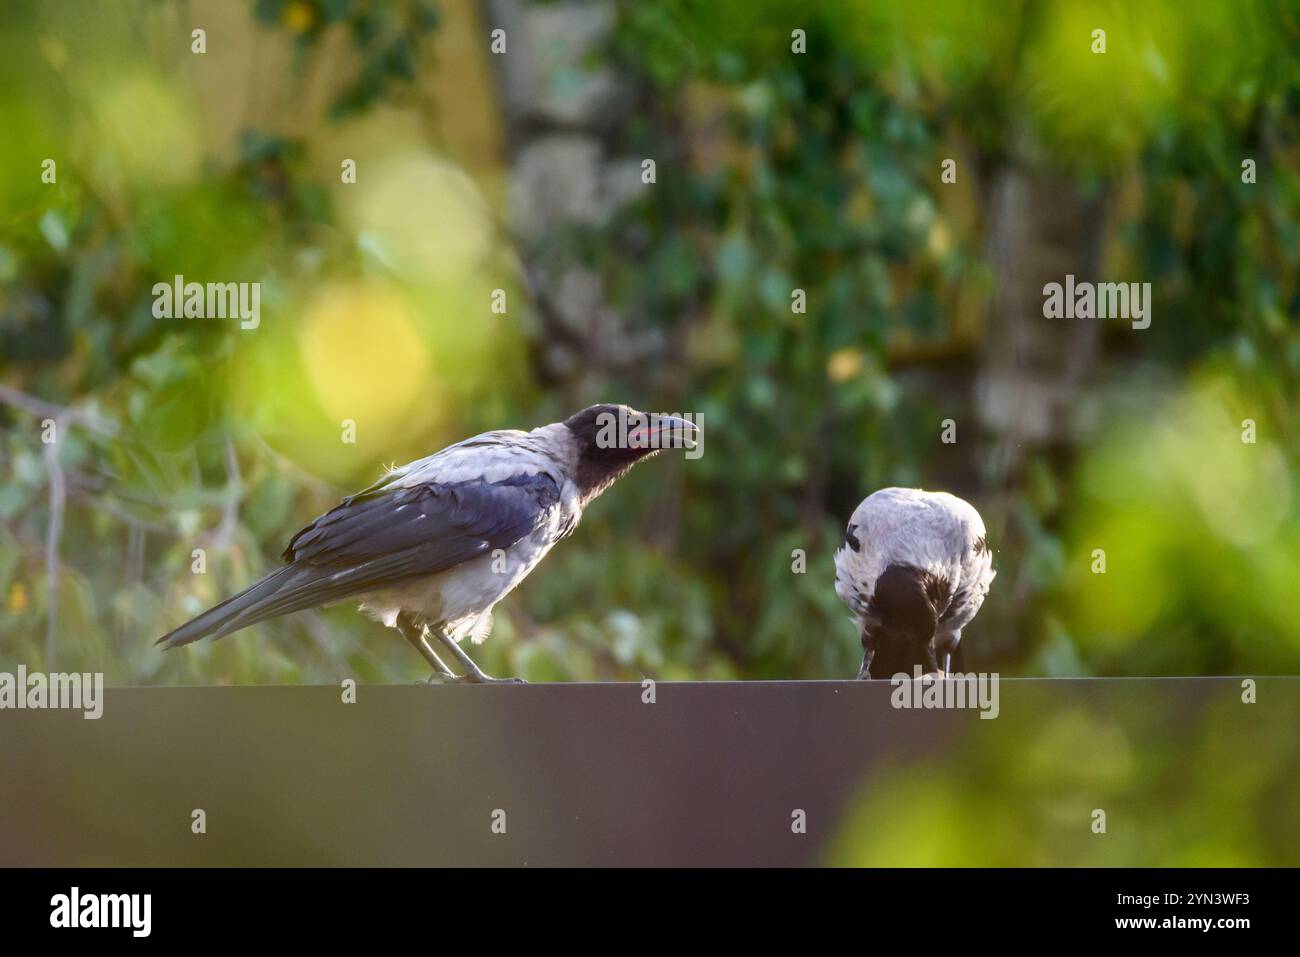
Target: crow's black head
x,y
612,438
904,614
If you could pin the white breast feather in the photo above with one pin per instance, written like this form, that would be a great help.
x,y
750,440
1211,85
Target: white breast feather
x,y
933,531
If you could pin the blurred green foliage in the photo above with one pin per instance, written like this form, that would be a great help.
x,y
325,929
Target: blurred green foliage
x,y
1022,791
775,171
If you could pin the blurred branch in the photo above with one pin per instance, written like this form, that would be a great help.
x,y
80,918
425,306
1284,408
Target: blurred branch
x,y
48,410
53,533
81,490
62,417
225,531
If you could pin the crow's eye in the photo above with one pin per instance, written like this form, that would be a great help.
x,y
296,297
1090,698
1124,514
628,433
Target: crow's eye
x,y
851,540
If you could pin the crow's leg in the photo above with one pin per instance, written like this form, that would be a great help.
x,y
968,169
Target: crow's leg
x,y
473,673
868,652
865,671
931,661
948,644
415,635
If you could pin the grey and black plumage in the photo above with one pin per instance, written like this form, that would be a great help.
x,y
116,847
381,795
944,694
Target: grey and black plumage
x,y
914,569
431,547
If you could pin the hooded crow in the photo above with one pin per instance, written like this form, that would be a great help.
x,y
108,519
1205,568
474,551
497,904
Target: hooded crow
x,y
914,569
431,547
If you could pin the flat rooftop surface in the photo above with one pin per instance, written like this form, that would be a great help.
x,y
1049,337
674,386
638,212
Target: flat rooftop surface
x,y
1183,771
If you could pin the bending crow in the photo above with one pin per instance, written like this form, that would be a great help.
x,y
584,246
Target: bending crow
x,y
431,547
914,569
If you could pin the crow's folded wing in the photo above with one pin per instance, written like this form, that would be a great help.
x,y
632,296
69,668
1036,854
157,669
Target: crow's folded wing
x,y
384,536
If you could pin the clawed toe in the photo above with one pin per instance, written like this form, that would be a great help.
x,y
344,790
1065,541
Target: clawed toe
x,y
437,679
434,679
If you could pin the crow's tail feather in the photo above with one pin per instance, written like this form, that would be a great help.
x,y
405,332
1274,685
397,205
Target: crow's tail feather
x,y
261,600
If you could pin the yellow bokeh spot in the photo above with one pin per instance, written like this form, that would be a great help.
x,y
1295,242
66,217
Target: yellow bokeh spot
x,y
422,217
299,17
939,241
844,364
17,603
149,129
364,356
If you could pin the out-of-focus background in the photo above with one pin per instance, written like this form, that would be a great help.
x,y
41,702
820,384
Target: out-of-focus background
x,y
775,170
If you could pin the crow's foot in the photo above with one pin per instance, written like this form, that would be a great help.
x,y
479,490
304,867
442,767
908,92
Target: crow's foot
x,y
482,679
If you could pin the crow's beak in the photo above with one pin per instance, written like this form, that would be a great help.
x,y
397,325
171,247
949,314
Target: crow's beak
x,y
665,432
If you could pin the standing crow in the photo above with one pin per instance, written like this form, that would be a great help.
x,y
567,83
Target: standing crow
x,y
914,569
431,547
